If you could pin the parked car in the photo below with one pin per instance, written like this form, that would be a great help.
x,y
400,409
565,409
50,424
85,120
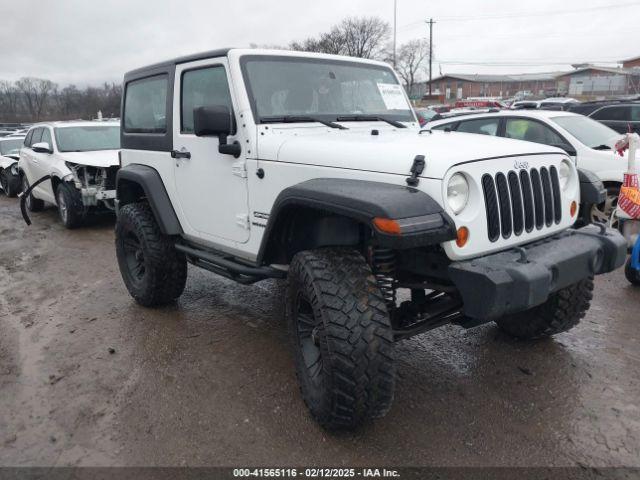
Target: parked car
x,y
9,154
557,103
424,115
589,143
525,105
260,164
82,160
622,117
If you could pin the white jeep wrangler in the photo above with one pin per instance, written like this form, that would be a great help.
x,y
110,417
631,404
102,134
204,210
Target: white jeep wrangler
x,y
261,164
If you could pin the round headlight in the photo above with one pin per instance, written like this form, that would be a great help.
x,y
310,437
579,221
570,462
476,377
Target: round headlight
x,y
564,174
457,193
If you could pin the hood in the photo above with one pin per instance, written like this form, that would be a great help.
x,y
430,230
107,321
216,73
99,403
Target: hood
x,y
391,151
98,158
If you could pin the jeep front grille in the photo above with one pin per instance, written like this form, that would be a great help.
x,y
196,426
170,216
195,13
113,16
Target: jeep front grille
x,y
517,203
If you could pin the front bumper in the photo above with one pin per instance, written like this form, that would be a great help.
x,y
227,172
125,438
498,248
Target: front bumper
x,y
519,279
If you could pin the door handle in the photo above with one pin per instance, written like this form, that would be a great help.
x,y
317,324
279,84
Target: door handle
x,y
180,154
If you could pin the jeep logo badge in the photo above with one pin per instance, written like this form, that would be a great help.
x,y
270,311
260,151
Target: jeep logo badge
x,y
521,165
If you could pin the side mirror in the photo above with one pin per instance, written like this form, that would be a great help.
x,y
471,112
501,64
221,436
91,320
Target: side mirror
x,y
216,120
41,147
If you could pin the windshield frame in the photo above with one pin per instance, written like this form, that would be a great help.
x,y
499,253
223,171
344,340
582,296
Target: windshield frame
x,y
245,59
57,129
582,118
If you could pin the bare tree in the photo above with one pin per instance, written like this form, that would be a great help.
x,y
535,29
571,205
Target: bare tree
x,y
358,37
35,93
364,37
411,60
9,98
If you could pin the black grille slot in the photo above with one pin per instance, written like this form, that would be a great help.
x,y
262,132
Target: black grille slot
x,y
536,186
548,199
557,201
491,202
516,203
505,205
527,195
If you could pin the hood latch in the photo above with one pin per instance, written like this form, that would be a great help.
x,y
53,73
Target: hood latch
x,y
416,170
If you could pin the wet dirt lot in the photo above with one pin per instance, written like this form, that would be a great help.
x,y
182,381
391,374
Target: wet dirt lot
x,y
87,377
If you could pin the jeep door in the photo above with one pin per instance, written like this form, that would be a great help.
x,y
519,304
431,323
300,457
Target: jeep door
x,y
212,187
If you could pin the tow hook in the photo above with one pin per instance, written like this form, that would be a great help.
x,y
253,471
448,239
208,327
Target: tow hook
x,y
23,198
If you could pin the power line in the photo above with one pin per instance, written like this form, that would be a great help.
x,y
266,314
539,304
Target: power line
x,y
472,18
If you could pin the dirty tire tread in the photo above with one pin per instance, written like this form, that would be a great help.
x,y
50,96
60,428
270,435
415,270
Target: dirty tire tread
x,y
560,313
358,369
75,208
633,276
166,267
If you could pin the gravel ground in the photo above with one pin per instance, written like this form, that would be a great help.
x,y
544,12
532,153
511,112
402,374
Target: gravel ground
x,y
87,377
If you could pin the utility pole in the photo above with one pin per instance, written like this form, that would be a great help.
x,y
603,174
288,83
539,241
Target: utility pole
x,y
430,22
395,29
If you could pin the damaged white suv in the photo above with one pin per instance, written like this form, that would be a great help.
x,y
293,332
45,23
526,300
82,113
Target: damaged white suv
x,y
72,165
258,164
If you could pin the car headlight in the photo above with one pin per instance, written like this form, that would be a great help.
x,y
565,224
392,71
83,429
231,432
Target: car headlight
x,y
457,193
564,174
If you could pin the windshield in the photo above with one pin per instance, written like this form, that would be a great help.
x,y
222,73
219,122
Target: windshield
x,y
86,139
593,134
10,146
327,89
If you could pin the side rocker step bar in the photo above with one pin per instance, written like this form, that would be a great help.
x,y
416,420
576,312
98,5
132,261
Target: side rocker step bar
x,y
228,267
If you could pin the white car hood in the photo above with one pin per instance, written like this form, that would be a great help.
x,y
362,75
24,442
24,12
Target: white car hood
x,y
99,158
391,151
6,162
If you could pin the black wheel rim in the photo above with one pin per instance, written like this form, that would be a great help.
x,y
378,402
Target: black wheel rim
x,y
134,258
309,338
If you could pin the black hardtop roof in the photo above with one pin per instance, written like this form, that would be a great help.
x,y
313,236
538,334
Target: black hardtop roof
x,y
139,72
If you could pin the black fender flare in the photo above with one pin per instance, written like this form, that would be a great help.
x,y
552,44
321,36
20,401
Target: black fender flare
x,y
422,220
149,181
592,190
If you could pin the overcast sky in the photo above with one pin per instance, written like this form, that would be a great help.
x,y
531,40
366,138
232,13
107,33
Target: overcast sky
x,y
90,41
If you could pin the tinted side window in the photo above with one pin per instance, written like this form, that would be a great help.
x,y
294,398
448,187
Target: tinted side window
x,y
27,139
46,137
483,126
635,113
203,87
612,113
37,135
145,105
531,131
442,127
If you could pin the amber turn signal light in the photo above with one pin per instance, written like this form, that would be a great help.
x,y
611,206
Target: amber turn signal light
x,y
462,237
574,208
386,225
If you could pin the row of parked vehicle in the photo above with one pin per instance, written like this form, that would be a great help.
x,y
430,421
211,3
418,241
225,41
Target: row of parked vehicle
x,y
587,131
258,164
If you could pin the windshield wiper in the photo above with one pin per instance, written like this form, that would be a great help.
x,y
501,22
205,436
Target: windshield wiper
x,y
301,119
369,118
602,147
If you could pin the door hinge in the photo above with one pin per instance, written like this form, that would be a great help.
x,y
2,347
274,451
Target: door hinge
x,y
239,169
242,220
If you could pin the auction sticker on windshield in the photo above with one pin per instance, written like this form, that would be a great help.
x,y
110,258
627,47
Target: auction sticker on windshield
x,y
392,96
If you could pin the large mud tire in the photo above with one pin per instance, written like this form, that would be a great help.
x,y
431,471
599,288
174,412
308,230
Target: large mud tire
x,y
562,311
342,337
